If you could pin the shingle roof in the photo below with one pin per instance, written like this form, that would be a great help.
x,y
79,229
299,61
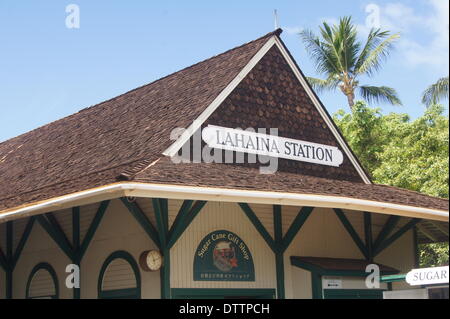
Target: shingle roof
x,y
246,178
122,136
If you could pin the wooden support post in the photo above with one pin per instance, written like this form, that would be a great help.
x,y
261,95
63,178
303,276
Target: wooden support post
x,y
161,214
9,257
368,235
76,246
279,255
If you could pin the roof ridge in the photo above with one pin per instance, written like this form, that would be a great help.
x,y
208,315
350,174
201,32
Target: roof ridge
x,y
276,32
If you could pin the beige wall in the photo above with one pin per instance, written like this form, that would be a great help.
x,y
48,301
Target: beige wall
x,y
39,248
217,216
322,236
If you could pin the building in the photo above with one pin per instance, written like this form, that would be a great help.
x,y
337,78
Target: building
x,y
103,189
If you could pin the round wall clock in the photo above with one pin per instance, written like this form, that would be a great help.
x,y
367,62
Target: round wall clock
x,y
151,260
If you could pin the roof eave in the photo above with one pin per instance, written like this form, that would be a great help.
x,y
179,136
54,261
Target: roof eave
x,y
152,190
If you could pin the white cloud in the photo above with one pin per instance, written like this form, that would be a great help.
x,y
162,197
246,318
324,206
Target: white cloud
x,y
433,47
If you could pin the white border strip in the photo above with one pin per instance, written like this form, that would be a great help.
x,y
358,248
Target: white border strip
x,y
173,149
218,194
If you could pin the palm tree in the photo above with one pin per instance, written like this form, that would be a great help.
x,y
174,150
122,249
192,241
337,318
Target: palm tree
x,y
342,59
436,92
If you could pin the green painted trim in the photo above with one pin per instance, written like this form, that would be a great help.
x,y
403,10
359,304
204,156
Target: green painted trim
x,y
386,230
389,284
393,278
186,293
194,211
160,208
51,271
164,204
258,225
184,221
177,228
165,274
160,222
127,257
9,256
129,293
9,283
368,234
76,245
416,250
9,240
316,283
143,220
363,293
76,228
93,228
413,222
279,256
23,240
296,225
3,261
59,232
351,231
56,236
330,272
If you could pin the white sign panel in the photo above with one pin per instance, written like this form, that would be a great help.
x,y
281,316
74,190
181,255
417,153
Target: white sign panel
x,y
427,276
332,283
263,144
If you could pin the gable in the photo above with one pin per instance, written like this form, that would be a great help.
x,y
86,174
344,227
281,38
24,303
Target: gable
x,y
271,96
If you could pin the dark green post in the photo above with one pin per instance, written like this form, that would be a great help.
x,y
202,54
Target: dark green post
x,y
160,207
76,258
9,258
368,235
278,228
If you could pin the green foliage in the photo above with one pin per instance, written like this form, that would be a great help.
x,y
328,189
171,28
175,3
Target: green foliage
x,y
399,152
433,255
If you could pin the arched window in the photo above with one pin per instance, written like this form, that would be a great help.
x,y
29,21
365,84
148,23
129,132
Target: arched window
x,y
119,277
42,283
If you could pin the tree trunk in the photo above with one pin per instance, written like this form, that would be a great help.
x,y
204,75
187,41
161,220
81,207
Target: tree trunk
x,y
351,100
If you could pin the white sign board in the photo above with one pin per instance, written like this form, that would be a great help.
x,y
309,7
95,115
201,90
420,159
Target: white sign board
x,y
246,141
332,283
427,276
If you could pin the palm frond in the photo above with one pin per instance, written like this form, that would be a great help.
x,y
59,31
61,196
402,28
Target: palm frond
x,y
324,61
436,92
377,48
320,85
379,94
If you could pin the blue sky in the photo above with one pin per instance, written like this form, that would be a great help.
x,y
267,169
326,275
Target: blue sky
x,y
48,71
